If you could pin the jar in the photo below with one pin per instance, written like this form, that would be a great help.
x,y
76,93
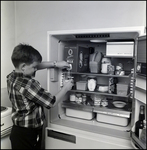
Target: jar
x,y
72,97
91,84
104,102
104,64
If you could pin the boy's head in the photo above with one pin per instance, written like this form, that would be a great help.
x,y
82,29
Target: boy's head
x,y
24,58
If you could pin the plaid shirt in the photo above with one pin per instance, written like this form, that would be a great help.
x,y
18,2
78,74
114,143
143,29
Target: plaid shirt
x,y
28,99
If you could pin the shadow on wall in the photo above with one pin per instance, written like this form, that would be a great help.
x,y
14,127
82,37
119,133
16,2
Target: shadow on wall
x,y
4,98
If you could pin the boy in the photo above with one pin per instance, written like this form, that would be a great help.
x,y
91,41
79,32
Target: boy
x,y
28,97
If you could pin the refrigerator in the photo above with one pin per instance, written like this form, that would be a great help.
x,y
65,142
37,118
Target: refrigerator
x,y
101,109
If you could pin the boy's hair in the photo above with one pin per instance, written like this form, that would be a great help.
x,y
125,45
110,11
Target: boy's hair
x,y
24,53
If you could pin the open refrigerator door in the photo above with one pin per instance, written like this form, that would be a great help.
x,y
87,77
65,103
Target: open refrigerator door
x,y
138,131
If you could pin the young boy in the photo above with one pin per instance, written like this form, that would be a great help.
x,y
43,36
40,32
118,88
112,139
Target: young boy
x,y
28,97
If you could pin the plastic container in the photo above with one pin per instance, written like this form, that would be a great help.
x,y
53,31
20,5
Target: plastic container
x,y
95,62
122,89
81,85
94,66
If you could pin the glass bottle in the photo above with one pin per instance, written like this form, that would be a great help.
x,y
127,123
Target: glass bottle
x,y
139,125
143,134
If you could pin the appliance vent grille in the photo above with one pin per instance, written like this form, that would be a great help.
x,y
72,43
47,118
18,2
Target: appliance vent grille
x,y
92,35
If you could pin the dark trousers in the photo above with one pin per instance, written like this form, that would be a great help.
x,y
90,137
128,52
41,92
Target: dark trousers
x,y
26,138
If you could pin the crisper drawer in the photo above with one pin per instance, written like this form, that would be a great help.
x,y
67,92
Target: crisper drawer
x,y
79,114
119,119
120,49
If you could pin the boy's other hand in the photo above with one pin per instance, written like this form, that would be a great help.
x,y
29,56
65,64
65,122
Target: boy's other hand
x,y
68,85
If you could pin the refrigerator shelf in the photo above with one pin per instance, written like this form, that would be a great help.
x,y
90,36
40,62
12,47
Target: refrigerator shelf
x,y
127,75
99,93
125,112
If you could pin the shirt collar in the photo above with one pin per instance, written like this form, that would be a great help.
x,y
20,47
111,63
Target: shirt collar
x,y
18,74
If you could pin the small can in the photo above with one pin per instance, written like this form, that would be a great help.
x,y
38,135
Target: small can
x,y
84,99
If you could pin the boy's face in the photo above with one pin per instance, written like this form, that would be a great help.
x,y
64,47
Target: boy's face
x,y
30,70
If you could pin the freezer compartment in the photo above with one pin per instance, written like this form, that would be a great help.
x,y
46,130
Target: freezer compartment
x,y
79,114
120,49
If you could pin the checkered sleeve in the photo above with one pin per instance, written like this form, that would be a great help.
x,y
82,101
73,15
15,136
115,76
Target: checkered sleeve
x,y
32,90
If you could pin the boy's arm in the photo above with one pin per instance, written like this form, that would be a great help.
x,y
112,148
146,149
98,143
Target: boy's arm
x,y
53,64
59,96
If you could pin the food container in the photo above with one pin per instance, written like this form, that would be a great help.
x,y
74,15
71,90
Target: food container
x,y
95,62
114,118
105,63
72,97
97,99
120,72
81,85
102,88
122,89
110,69
79,114
91,84
112,85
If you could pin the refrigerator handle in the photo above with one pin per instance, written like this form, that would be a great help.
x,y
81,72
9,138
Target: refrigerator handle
x,y
61,136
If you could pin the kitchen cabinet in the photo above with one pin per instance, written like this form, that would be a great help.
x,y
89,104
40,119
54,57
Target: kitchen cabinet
x,y
70,117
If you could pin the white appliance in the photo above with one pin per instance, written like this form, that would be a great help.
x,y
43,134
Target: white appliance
x,y
6,125
77,130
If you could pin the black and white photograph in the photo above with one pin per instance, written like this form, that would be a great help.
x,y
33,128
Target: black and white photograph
x,y
73,74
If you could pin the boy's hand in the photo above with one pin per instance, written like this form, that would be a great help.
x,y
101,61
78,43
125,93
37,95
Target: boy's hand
x,y
68,85
62,64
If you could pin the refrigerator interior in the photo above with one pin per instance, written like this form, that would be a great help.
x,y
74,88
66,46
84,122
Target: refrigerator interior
x,y
57,115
